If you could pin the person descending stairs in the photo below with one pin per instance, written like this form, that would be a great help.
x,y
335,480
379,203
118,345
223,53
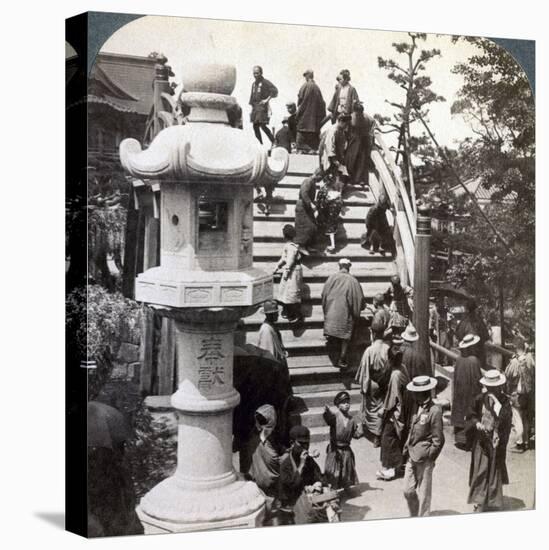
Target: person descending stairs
x,y
315,380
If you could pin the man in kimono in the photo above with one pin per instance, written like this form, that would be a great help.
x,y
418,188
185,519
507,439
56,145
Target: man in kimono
x,y
414,361
342,302
270,340
262,92
332,146
311,109
373,377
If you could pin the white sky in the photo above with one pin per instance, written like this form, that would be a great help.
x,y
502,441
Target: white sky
x,y
285,51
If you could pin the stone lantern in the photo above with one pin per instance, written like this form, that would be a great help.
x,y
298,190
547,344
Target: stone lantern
x,y
205,170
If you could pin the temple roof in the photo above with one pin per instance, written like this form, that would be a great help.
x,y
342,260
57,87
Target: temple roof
x,y
124,82
480,192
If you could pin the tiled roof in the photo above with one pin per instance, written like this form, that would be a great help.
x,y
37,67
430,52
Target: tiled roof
x,y
90,98
480,192
129,80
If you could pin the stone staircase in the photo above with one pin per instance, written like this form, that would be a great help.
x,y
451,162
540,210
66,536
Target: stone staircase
x,y
315,380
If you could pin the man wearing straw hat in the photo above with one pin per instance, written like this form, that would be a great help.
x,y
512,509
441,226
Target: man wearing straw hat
x,y
489,425
424,443
411,358
467,374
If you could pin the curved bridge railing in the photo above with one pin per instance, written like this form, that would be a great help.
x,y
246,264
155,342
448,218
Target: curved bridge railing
x,y
405,221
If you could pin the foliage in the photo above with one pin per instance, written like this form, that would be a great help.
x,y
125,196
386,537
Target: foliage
x,y
98,321
497,101
411,77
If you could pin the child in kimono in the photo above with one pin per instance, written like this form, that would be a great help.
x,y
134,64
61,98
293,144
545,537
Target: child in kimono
x,y
339,469
291,281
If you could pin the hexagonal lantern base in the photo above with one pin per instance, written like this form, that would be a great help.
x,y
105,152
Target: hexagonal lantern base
x,y
237,505
203,288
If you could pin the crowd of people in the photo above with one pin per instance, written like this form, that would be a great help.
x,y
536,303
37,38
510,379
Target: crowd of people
x,y
399,413
344,147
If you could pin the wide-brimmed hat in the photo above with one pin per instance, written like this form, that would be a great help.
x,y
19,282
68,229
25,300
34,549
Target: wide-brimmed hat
x,y
270,306
341,397
468,341
493,378
410,334
422,383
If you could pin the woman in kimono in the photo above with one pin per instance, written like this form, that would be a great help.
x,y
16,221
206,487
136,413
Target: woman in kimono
x,y
489,423
291,282
395,415
339,468
305,208
345,96
329,203
359,147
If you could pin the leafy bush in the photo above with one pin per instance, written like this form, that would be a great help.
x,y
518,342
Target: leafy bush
x,y
97,321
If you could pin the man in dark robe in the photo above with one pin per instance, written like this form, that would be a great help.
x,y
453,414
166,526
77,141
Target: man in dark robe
x,y
342,302
488,426
411,358
283,138
467,374
472,323
305,208
262,92
311,109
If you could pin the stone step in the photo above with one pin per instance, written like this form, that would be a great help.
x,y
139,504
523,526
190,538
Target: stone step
x,y
266,230
286,211
311,292
318,268
313,418
312,314
353,251
288,190
303,164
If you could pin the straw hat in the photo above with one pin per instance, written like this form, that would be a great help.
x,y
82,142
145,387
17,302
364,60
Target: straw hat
x,y
493,378
410,334
469,340
422,383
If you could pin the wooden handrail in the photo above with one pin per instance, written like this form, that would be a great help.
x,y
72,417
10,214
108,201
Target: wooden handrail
x,y
403,214
489,346
388,157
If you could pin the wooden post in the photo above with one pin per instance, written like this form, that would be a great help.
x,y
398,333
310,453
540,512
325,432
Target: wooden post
x,y
421,281
161,85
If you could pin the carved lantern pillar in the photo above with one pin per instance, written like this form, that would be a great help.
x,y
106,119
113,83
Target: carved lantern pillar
x,y
205,170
